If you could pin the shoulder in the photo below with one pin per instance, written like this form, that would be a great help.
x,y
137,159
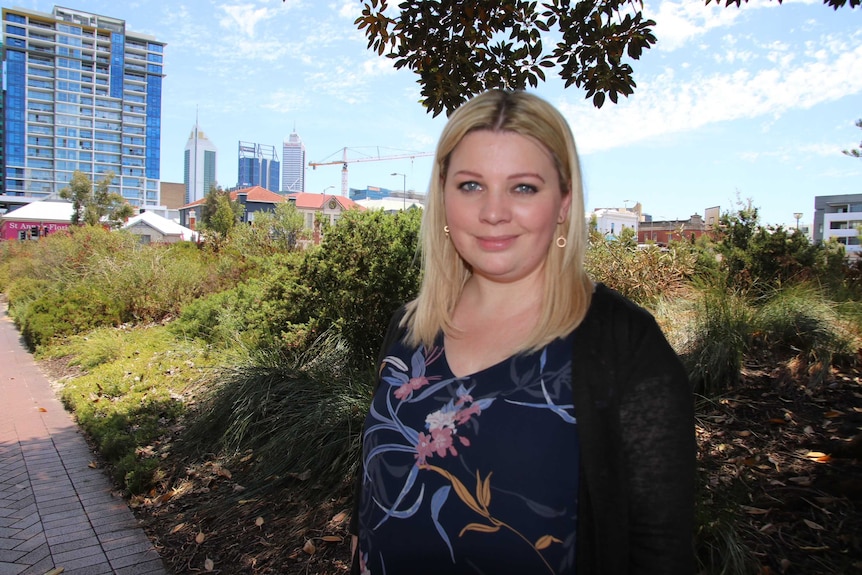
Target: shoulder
x,y
610,309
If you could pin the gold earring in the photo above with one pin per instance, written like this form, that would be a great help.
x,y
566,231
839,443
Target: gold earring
x,y
446,231
561,242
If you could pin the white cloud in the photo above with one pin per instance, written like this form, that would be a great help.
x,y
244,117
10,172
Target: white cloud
x,y
349,9
244,17
678,22
666,104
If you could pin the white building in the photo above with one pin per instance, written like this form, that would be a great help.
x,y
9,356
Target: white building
x,y
839,217
612,221
293,165
199,166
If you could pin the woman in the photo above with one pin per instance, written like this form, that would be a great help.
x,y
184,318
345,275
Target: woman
x,y
525,420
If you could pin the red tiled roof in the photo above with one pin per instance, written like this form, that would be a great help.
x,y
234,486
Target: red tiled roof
x,y
258,194
316,201
253,194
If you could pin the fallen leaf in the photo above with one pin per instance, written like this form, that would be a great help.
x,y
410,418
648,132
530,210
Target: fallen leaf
x,y
767,529
177,527
808,430
754,510
339,517
332,539
93,465
785,565
208,564
309,547
820,548
43,410
818,456
221,471
777,421
744,433
813,525
200,538
304,476
833,413
258,521
238,488
803,481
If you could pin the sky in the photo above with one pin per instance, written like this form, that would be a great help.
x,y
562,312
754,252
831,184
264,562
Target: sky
x,y
732,104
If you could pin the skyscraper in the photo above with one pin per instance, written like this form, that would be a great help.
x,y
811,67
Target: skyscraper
x,y
83,93
258,166
293,165
199,166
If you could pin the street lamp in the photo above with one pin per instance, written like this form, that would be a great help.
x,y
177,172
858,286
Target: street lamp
x,y
797,215
403,189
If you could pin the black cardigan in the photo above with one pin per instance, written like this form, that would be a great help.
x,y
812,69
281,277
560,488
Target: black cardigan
x,y
635,413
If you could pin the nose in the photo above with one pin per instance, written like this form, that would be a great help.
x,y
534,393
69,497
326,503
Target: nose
x,y
495,207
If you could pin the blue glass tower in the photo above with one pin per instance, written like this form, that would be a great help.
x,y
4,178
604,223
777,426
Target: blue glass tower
x,y
258,166
83,93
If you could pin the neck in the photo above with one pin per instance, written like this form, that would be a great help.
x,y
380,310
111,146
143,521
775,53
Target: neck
x,y
503,300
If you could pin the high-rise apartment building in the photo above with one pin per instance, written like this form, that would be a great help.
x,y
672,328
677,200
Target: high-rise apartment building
x,y
199,166
293,165
82,93
258,166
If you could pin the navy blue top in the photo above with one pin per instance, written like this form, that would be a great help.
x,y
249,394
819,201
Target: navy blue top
x,y
470,475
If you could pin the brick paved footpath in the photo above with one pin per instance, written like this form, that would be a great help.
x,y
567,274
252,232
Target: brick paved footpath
x,y
57,515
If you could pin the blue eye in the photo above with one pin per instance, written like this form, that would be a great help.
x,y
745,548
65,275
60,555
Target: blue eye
x,y
469,187
526,189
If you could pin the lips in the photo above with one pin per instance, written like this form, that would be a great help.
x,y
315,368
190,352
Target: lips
x,y
495,243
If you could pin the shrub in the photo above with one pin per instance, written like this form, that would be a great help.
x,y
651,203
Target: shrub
x,y
59,314
300,416
719,337
366,266
801,319
643,275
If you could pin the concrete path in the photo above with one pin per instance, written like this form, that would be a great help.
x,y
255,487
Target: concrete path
x,y
57,515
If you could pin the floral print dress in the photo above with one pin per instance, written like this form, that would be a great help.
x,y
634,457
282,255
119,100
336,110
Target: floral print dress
x,y
474,475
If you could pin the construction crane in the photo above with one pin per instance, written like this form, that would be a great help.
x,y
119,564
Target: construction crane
x,y
344,161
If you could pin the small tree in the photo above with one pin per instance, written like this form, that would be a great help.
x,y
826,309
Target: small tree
x,y
220,213
855,152
91,206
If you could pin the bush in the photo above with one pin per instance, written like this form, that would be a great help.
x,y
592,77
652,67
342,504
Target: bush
x,y
366,266
800,319
59,314
719,337
300,416
643,275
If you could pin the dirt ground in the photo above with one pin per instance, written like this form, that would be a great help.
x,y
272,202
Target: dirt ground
x,y
780,473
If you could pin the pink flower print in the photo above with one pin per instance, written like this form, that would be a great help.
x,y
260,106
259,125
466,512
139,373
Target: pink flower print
x,y
441,439
464,441
404,391
465,414
424,449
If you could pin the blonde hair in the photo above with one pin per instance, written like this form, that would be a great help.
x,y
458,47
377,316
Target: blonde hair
x,y
567,288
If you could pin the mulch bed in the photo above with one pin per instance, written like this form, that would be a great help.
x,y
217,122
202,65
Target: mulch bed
x,y
780,474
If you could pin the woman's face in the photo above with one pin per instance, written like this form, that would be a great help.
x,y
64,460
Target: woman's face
x,y
503,203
